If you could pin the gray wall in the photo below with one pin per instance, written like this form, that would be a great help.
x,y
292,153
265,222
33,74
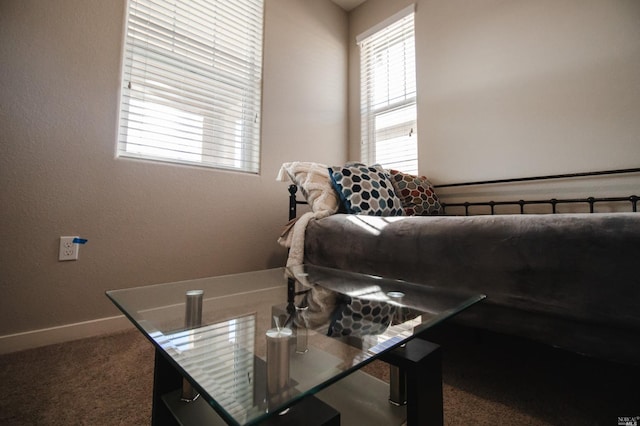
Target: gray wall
x,y
145,222
520,88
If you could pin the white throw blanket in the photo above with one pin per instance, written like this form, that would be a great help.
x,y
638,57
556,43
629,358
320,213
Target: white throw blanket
x,y
295,238
313,180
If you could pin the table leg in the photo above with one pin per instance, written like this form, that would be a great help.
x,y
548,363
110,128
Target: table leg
x,y
420,365
165,379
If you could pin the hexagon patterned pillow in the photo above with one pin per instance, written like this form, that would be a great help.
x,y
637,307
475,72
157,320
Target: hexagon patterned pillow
x,y
361,317
416,193
365,190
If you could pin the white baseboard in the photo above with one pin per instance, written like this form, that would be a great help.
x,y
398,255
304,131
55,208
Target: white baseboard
x,y
64,333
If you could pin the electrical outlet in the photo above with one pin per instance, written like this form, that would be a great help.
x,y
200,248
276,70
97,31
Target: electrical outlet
x,y
68,249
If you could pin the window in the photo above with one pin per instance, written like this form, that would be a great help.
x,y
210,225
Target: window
x,y
388,93
192,83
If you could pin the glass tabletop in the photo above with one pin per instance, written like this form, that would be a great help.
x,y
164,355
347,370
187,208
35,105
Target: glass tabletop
x,y
254,343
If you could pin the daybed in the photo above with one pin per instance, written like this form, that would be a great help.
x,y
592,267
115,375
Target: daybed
x,y
568,280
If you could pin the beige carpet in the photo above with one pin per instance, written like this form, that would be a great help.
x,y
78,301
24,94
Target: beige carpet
x,y
488,380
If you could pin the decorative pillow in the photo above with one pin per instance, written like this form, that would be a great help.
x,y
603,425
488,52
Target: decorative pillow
x,y
365,190
417,194
360,317
313,180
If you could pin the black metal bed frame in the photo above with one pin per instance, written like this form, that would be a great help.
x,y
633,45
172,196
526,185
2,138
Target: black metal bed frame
x,y
553,202
633,199
293,201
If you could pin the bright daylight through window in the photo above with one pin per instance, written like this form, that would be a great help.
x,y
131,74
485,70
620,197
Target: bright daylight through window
x,y
388,94
192,83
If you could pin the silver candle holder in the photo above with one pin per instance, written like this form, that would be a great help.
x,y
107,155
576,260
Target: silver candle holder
x,y
278,357
192,319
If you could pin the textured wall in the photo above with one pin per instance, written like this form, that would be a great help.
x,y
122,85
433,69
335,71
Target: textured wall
x,y
145,222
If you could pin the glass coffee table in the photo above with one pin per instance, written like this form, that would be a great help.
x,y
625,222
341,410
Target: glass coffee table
x,y
267,347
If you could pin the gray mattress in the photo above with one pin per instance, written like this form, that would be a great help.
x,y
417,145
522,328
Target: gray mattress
x,y
569,280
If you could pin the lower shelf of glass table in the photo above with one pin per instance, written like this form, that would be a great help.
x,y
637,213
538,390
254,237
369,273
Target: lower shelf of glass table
x,y
358,398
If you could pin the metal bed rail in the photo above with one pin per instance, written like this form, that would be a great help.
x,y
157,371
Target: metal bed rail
x,y
545,177
633,199
293,201
553,202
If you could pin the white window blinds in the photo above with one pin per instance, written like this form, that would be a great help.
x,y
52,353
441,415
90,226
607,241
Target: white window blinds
x,y
388,94
192,82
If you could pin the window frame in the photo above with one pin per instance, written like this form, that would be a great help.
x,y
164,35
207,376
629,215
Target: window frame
x,y
370,41
185,101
